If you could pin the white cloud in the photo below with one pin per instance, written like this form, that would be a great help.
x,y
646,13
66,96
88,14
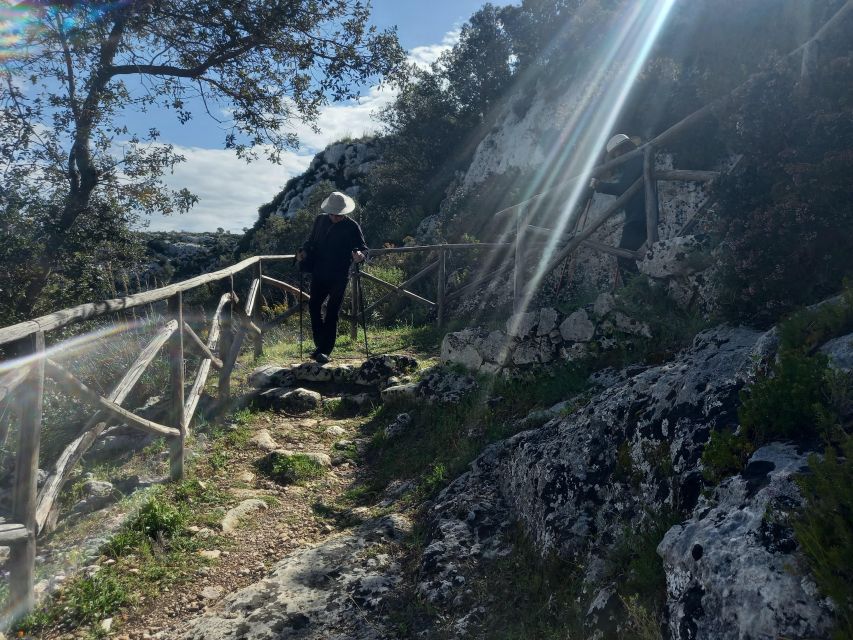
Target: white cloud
x,y
424,56
230,191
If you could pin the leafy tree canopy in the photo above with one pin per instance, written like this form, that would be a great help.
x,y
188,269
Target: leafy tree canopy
x,y
66,155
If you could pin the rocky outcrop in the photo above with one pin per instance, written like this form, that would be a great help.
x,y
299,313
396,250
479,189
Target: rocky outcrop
x,y
730,568
376,371
344,164
335,589
577,482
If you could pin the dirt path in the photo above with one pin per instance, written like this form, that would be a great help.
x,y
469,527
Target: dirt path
x,y
295,518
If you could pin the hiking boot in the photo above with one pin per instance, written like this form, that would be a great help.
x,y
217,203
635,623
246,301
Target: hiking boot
x,y
322,358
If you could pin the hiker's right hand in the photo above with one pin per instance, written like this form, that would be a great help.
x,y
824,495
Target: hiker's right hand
x,y
593,183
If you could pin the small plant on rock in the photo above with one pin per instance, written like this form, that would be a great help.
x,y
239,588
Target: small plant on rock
x,y
297,468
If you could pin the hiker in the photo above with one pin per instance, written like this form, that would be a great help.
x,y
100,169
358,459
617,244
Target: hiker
x,y
634,228
335,242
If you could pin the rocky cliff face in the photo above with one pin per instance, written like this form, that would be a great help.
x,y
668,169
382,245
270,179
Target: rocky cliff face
x,y
345,164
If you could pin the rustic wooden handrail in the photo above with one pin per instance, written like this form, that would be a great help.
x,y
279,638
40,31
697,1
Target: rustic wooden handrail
x,y
93,310
400,289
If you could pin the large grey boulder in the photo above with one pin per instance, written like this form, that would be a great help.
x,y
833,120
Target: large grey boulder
x,y
270,375
577,327
293,400
731,569
332,590
840,353
462,347
564,481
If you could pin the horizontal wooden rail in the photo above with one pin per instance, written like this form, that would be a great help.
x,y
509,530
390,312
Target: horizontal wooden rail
x,y
61,375
437,247
284,286
10,533
95,309
686,175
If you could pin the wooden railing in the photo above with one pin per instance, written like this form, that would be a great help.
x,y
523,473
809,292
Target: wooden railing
x,y
36,511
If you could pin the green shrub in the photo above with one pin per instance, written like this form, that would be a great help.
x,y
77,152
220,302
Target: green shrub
x,y
725,454
157,518
297,468
787,404
824,530
634,565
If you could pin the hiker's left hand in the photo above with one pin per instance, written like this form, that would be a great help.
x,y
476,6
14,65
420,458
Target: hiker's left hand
x,y
357,256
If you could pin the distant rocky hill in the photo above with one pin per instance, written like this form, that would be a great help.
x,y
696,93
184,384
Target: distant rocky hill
x,y
177,255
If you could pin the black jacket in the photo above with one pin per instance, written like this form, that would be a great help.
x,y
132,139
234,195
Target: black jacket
x,y
330,246
626,175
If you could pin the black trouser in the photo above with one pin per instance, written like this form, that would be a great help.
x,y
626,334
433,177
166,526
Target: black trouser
x,y
325,330
633,237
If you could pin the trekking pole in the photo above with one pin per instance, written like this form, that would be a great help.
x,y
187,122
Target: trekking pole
x,y
361,305
299,302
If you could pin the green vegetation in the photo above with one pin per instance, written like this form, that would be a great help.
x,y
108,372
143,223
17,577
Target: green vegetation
x,y
824,529
297,468
725,455
634,566
800,399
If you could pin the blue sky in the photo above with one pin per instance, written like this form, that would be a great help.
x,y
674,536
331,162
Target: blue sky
x,y
231,191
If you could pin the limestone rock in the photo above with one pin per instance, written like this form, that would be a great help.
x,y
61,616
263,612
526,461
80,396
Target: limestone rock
x,y
577,327
244,509
604,304
270,375
399,393
494,348
97,495
334,431
628,325
521,325
728,569
212,592
461,347
444,386
677,257
334,589
263,440
562,482
295,400
840,352
312,372
398,426
547,321
377,369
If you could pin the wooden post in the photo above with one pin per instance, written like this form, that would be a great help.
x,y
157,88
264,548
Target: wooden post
x,y
176,390
256,313
225,339
440,292
651,195
22,555
518,281
353,307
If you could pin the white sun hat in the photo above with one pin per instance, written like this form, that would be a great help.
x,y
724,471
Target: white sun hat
x,y
338,204
615,141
